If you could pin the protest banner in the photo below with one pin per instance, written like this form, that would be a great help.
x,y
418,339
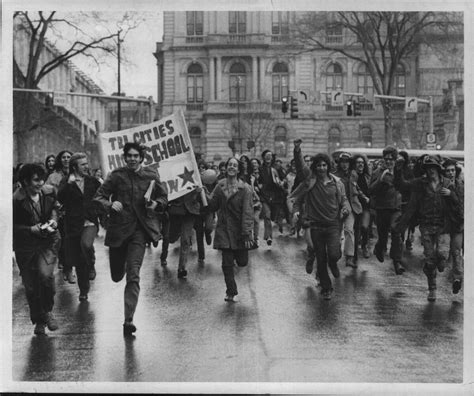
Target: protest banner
x,y
168,151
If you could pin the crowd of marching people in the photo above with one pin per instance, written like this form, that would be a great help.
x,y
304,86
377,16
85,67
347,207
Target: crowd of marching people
x,y
338,205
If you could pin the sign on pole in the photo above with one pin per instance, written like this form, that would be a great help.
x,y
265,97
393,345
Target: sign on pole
x,y
431,138
337,98
59,99
431,146
168,151
411,105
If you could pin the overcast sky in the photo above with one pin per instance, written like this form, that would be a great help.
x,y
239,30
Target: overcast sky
x,y
138,73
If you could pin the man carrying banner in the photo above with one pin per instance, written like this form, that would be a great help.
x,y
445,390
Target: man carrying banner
x,y
137,198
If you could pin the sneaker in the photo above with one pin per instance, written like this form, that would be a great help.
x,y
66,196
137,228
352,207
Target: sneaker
x,y
129,328
208,236
457,286
182,274
440,266
327,294
69,277
366,252
40,328
335,270
200,261
309,265
83,297
409,244
269,241
164,263
230,298
432,295
50,321
92,274
379,254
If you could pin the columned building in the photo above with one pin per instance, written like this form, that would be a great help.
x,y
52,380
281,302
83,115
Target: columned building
x,y
229,70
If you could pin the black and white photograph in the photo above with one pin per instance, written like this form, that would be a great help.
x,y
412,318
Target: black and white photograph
x,y
257,197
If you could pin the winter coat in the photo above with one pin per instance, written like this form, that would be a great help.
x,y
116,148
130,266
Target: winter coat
x,y
234,215
26,245
383,193
349,180
129,187
78,205
448,206
272,190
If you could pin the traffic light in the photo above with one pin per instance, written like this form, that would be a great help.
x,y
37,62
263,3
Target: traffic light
x,y
250,144
294,107
349,108
356,106
284,104
231,145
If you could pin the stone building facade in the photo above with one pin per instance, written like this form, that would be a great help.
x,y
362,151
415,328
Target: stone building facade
x,y
228,71
72,125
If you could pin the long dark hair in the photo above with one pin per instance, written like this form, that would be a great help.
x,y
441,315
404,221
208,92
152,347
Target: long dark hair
x,y
318,158
366,166
49,171
58,166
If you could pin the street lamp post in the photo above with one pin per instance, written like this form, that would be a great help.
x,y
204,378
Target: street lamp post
x,y
238,113
119,106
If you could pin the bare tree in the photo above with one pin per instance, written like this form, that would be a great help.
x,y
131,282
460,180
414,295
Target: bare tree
x,y
68,36
379,40
256,123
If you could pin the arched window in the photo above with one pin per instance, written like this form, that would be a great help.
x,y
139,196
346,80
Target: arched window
x,y
334,77
279,81
196,139
365,85
280,142
195,83
238,82
400,81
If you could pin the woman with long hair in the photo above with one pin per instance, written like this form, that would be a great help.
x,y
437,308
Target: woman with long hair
x,y
232,199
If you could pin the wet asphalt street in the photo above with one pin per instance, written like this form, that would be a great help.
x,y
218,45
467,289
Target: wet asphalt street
x,y
379,327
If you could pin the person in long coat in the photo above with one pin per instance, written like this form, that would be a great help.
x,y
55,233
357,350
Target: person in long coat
x,y
232,198
81,220
35,242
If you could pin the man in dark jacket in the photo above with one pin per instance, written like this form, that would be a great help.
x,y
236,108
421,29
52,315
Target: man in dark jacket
x,y
387,202
434,200
35,242
76,192
133,221
456,226
270,193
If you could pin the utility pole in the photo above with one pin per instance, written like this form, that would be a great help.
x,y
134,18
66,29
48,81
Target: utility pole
x,y
238,113
119,105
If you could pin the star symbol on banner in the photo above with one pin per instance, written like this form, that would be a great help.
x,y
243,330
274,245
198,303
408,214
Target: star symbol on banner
x,y
187,176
